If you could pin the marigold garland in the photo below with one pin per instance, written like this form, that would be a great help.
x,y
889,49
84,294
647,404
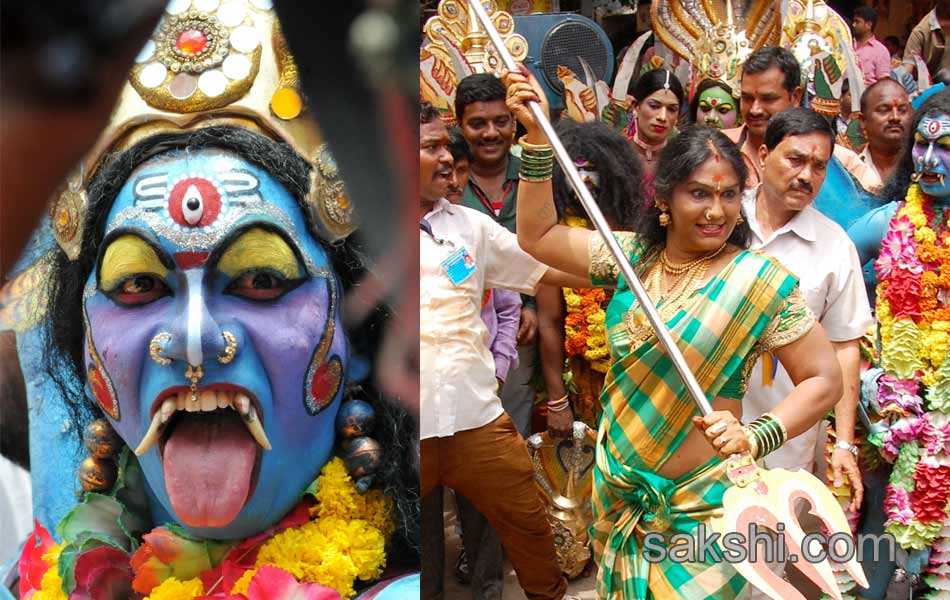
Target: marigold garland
x,y
585,333
913,309
344,541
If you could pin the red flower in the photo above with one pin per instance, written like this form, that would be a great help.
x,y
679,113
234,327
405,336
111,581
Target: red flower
x,y
903,294
31,565
931,490
103,573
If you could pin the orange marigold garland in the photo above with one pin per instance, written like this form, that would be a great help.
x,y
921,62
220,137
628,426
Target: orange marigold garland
x,y
584,331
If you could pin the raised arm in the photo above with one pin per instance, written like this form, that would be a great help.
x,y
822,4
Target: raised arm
x,y
564,248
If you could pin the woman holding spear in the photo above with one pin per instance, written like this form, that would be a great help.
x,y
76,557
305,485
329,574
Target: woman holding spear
x,y
660,468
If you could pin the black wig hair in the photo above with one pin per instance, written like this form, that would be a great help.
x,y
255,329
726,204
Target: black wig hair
x,y
618,194
458,146
682,155
704,85
796,121
654,80
767,57
481,87
396,430
895,188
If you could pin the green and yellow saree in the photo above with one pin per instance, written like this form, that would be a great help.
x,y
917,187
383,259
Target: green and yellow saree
x,y
751,305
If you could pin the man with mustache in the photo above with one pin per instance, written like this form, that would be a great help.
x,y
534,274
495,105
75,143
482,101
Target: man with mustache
x,y
795,153
771,83
489,128
886,113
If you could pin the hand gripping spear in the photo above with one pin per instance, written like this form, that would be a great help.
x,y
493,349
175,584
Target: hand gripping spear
x,y
763,497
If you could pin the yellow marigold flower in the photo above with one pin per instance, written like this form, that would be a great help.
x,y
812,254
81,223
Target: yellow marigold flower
x,y
51,588
333,551
244,581
925,235
173,589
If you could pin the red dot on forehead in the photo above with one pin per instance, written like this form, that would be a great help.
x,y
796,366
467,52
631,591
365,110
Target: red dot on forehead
x,y
194,202
933,126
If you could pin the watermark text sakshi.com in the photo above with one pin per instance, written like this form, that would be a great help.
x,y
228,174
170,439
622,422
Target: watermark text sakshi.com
x,y
705,545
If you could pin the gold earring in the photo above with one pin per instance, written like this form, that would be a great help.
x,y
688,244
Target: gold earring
x,y
229,350
664,218
740,220
157,346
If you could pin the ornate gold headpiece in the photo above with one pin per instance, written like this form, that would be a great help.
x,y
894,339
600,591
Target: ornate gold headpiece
x,y
456,46
212,62
812,28
715,37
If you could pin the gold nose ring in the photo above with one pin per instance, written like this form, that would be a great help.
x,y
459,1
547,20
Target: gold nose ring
x,y
157,346
228,354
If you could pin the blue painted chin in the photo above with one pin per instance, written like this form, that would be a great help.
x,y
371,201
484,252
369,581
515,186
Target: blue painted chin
x,y
938,190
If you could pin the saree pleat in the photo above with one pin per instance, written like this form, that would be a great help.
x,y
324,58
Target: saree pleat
x,y
647,413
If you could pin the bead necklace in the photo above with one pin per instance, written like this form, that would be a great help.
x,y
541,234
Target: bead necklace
x,y
687,278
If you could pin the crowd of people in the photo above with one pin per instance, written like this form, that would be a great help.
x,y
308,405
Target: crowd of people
x,y
812,313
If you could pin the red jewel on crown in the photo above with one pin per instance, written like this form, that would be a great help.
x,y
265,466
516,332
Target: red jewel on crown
x,y
191,42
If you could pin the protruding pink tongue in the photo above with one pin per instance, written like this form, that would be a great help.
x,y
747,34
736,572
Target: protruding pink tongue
x,y
208,463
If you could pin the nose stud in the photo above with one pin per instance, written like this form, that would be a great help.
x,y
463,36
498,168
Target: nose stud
x,y
708,215
157,346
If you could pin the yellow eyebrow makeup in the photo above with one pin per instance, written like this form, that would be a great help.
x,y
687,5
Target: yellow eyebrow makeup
x,y
128,255
259,249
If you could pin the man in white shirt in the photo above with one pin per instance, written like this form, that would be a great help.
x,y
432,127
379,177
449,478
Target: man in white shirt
x,y
794,156
795,153
467,441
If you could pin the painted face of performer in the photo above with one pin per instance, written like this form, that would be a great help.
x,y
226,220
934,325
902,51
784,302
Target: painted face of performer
x,y
931,154
207,265
717,108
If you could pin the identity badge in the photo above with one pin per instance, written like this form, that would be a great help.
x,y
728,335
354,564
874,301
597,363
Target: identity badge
x,y
459,266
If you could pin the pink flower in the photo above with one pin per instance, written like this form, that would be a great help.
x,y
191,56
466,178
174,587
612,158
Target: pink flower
x,y
272,583
935,434
897,505
898,249
898,395
903,430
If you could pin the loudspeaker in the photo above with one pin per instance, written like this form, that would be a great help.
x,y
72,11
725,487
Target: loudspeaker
x,y
558,39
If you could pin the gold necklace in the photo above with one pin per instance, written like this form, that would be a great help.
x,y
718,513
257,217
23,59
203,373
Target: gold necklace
x,y
673,300
675,269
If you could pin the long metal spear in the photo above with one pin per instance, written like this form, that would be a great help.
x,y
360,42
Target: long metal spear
x,y
600,223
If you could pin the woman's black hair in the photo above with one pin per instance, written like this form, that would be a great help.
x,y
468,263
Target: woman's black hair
x,y
618,193
682,155
704,85
895,188
654,80
396,429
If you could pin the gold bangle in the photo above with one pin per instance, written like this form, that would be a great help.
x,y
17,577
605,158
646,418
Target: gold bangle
x,y
532,147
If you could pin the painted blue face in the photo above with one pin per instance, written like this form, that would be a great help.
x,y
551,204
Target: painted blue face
x,y
208,266
931,154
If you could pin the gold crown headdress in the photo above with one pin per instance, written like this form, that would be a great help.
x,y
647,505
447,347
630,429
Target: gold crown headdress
x,y
456,46
208,63
812,28
715,37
